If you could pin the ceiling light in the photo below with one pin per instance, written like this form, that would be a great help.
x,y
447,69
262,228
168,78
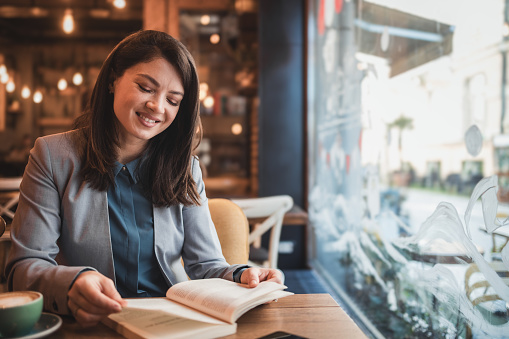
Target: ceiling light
x,y
236,129
25,92
119,3
62,84
68,23
77,79
208,102
37,97
3,69
4,77
215,38
205,20
10,87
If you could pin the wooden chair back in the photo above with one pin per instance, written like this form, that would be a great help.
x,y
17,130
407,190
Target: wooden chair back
x,y
232,229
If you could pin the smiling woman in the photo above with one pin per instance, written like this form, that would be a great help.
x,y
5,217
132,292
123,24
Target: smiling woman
x,y
140,79
146,101
120,198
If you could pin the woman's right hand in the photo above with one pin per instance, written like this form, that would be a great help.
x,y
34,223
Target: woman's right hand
x,y
93,297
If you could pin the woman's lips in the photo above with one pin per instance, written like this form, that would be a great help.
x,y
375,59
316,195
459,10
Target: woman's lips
x,y
147,119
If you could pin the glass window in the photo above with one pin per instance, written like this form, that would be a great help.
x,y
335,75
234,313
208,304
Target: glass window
x,y
408,163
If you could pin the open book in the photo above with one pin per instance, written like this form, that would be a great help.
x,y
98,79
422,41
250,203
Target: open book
x,y
206,308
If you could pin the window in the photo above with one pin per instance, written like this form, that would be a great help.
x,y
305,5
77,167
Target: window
x,y
404,121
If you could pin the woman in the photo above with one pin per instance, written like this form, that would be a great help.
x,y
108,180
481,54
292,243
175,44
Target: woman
x,y
107,210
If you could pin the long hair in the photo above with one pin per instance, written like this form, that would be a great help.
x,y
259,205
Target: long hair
x,y
165,168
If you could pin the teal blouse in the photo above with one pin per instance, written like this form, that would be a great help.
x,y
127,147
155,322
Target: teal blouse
x,y
131,219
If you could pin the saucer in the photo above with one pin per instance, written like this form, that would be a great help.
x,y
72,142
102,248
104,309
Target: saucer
x,y
47,324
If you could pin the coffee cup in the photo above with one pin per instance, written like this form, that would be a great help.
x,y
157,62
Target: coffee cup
x,y
19,311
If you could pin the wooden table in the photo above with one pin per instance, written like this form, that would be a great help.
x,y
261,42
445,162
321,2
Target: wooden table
x,y
304,315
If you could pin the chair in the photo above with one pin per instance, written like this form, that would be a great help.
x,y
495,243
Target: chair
x,y
482,296
266,214
232,229
9,196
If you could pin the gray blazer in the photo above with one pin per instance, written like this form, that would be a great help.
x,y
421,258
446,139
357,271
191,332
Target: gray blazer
x,y
61,227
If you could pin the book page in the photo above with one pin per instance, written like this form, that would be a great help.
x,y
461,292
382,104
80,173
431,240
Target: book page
x,y
262,300
221,298
144,323
170,307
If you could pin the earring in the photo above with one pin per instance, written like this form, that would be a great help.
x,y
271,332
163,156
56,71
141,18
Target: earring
x,y
110,87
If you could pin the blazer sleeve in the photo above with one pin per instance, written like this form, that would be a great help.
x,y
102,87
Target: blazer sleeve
x,y
201,250
36,228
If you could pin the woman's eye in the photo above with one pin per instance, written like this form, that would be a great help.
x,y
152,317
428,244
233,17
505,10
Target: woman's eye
x,y
173,103
144,89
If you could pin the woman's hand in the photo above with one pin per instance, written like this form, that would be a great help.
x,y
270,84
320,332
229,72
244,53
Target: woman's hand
x,y
93,297
254,275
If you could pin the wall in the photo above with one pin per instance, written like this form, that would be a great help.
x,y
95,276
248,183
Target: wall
x,y
282,114
281,110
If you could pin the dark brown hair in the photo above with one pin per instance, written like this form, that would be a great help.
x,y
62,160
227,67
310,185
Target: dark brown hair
x,y
165,168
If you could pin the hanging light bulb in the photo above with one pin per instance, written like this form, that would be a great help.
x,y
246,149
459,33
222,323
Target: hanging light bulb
x,y
208,102
68,23
10,87
205,20
62,84
37,97
214,38
236,129
25,92
119,3
4,77
77,79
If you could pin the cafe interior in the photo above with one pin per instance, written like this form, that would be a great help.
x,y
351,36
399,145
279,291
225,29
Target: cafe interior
x,y
366,141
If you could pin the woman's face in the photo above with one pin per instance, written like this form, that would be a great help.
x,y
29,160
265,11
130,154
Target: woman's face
x,y
146,100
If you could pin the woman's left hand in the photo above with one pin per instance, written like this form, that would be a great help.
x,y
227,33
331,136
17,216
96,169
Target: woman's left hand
x,y
254,275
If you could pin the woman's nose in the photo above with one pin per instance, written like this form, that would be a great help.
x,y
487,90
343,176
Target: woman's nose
x,y
156,104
